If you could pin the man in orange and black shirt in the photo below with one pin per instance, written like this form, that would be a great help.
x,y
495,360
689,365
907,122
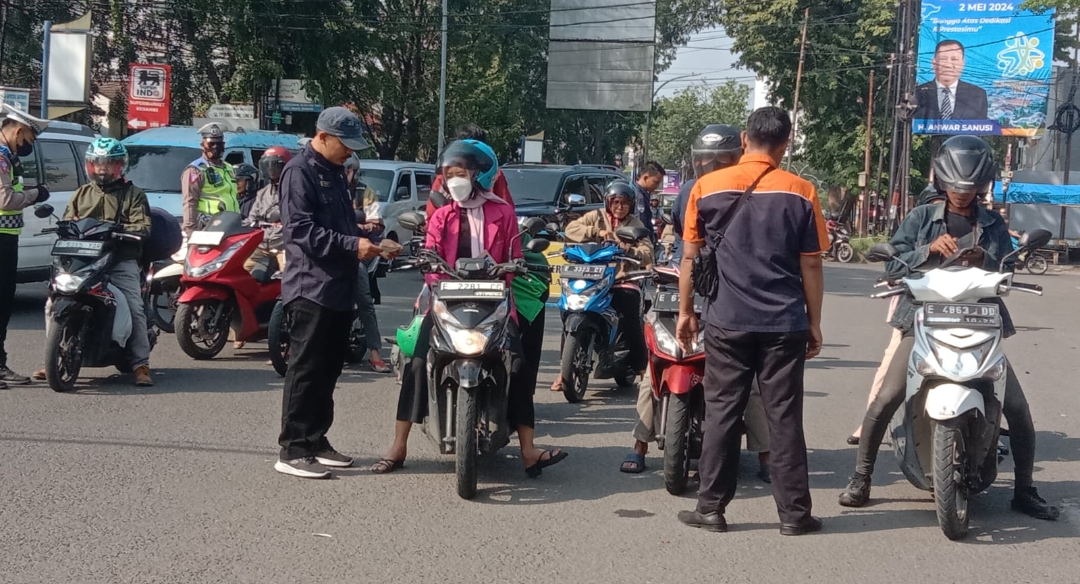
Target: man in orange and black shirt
x,y
764,320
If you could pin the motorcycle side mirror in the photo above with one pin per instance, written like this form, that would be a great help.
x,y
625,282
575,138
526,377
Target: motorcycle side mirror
x,y
538,245
43,211
361,216
274,216
666,218
575,201
533,226
437,199
882,252
411,220
552,228
1035,239
631,234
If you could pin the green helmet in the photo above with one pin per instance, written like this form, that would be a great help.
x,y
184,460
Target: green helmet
x,y
407,336
106,160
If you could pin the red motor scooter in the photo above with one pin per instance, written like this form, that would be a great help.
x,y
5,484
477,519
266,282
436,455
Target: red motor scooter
x,y
677,378
218,293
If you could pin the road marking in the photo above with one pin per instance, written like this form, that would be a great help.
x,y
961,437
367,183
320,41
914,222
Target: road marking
x,y
1070,508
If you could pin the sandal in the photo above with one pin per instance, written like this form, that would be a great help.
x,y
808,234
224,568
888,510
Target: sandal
x,y
387,466
557,386
634,463
552,458
380,367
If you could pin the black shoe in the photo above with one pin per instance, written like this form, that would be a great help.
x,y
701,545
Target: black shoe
x,y
808,525
305,468
857,492
9,376
853,440
1028,502
714,521
764,474
331,457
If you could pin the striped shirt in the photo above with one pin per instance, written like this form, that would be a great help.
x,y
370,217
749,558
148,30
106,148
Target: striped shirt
x,y
760,285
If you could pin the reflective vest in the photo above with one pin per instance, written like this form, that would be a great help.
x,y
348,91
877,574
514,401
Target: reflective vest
x,y
219,186
11,222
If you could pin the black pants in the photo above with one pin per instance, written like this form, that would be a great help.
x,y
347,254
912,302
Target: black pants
x,y
413,399
319,343
9,268
732,360
891,396
627,303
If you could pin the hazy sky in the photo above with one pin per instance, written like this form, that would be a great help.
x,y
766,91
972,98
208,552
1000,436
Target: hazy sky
x,y
708,55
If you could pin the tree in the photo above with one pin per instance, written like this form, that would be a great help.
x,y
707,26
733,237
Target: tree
x,y
677,120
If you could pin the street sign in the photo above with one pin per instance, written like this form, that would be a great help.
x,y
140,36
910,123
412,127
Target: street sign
x,y
275,118
16,98
291,96
231,112
148,96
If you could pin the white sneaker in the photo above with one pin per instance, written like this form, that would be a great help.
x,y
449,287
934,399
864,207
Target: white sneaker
x,y
305,468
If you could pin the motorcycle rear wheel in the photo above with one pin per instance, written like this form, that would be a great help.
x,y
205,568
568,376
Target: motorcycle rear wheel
x,y
1036,264
465,444
277,339
574,367
677,444
163,306
210,344
63,354
950,488
845,253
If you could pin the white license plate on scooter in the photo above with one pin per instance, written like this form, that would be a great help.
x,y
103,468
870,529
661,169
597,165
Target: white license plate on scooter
x,y
211,238
961,315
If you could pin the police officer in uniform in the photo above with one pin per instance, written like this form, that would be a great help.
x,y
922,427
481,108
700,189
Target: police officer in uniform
x,y
18,131
209,183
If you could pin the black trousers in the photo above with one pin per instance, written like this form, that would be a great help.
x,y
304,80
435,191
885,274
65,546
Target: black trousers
x,y
319,343
627,303
9,268
413,398
732,360
891,396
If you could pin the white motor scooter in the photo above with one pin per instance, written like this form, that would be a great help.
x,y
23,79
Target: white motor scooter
x,y
946,434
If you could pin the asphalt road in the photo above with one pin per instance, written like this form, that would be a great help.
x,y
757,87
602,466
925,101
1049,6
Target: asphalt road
x,y
175,483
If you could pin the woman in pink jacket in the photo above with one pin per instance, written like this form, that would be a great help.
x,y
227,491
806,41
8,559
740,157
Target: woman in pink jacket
x,y
473,223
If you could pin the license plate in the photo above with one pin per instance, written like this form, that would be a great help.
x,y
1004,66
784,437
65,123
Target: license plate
x,y
206,237
582,272
74,247
961,315
472,290
669,302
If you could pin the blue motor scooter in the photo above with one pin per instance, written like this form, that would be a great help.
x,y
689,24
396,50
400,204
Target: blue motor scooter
x,y
590,324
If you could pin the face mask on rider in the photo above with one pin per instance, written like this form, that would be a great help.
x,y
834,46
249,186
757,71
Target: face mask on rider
x,y
460,188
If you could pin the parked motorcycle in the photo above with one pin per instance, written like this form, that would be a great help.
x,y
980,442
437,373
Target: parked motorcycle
x,y
590,326
469,361
165,284
91,319
840,245
219,293
677,378
946,435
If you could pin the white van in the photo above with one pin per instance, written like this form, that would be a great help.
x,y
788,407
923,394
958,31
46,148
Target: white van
x,y
401,187
57,162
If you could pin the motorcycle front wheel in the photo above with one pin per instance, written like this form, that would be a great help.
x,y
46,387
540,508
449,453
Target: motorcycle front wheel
x,y
1037,264
950,489
63,354
277,337
163,306
465,444
575,366
845,253
677,444
202,328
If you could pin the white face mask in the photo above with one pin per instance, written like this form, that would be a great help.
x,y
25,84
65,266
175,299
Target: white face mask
x,y
460,188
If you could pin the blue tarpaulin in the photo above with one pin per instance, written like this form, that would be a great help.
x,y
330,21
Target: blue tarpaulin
x,y
1040,194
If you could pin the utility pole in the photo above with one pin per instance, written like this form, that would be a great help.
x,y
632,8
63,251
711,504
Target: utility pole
x,y
885,124
798,85
442,81
864,213
45,71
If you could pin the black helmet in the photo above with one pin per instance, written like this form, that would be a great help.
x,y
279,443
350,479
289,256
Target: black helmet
x,y
620,189
964,164
929,195
249,173
717,146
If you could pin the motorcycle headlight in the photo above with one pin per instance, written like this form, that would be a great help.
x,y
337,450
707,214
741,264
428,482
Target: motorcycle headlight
x,y
212,266
962,364
665,341
698,346
576,301
469,341
67,283
997,370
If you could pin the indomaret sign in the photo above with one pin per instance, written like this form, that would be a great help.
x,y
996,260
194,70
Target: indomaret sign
x,y
148,96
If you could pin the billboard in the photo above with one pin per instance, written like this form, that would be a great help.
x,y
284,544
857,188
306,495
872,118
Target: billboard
x,y
984,68
149,96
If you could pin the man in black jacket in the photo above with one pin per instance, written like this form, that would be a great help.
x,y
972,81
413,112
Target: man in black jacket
x,y
946,97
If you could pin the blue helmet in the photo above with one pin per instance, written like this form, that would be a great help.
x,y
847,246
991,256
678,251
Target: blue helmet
x,y
486,178
106,160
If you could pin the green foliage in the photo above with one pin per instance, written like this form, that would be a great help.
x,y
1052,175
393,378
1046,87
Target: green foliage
x,y
677,120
